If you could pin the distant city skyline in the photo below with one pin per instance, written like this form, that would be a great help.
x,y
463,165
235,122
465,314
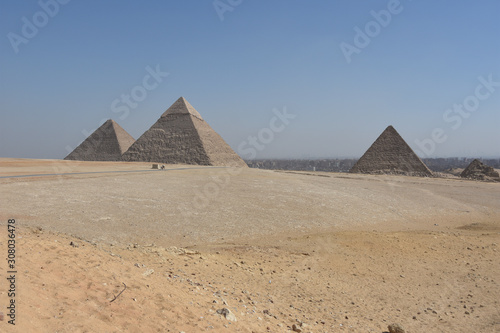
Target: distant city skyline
x,y
281,79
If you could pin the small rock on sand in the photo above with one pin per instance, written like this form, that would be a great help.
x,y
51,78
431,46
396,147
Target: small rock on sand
x,y
148,272
396,328
227,314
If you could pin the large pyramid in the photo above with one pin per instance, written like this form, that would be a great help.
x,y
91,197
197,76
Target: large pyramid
x,y
107,143
390,154
181,136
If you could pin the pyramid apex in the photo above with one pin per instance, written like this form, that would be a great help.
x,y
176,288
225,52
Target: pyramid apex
x,y
182,106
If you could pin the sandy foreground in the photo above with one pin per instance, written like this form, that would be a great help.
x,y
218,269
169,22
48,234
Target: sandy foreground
x,y
326,252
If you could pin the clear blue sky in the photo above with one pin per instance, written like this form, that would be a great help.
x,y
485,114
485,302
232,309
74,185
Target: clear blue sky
x,y
263,55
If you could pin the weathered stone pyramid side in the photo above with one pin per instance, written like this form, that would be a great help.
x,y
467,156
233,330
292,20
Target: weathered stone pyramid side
x,y
217,150
390,154
173,140
181,136
125,140
182,106
107,143
479,171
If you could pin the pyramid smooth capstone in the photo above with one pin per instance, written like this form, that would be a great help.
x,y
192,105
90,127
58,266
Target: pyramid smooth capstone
x,y
107,143
182,136
182,106
390,154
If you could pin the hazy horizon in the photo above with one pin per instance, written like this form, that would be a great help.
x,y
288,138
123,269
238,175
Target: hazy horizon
x,y
308,80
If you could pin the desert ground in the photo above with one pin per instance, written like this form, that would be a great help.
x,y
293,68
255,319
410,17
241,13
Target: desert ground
x,y
118,247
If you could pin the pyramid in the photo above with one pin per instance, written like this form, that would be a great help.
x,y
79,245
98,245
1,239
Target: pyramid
x,y
107,143
479,171
390,154
181,136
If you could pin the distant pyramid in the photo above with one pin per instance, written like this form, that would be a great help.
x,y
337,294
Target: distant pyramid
x,y
181,136
390,154
107,143
479,171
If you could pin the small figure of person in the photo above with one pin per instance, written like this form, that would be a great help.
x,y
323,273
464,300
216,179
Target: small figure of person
x,y
163,167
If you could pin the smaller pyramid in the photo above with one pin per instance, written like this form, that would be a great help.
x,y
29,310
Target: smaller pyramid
x,y
479,171
390,154
107,143
182,136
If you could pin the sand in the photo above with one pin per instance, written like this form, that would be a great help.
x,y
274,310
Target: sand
x,y
337,252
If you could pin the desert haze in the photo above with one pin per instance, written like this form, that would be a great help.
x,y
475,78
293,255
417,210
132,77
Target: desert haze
x,y
116,246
